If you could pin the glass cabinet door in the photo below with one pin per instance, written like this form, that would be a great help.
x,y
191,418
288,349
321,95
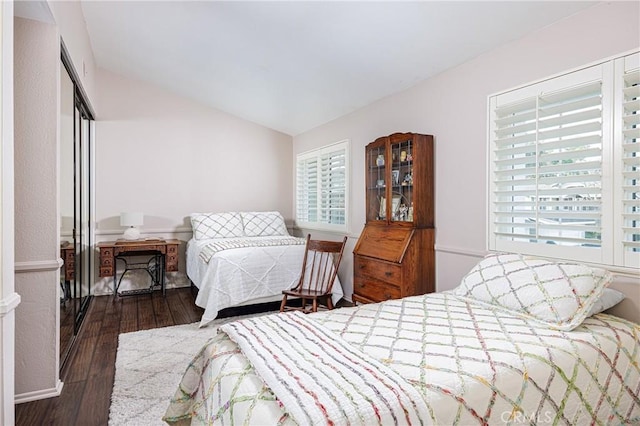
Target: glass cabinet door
x,y
402,181
376,164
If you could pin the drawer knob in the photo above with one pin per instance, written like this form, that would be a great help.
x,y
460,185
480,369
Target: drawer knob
x,y
388,273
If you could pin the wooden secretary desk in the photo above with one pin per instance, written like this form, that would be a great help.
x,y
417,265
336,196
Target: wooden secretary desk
x,y
394,256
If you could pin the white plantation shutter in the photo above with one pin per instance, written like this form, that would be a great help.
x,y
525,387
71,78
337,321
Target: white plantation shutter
x,y
547,165
565,166
333,179
630,153
321,188
307,189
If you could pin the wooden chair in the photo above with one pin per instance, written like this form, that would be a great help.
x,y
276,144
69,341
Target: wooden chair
x,y
319,270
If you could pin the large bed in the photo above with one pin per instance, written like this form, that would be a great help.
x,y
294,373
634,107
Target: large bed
x,y
243,258
515,343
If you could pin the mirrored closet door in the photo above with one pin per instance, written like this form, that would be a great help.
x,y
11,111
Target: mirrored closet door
x,y
75,206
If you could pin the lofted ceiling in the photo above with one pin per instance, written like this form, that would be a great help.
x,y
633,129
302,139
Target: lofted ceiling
x,y
295,65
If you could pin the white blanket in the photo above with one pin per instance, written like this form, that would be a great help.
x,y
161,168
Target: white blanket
x,y
241,276
321,378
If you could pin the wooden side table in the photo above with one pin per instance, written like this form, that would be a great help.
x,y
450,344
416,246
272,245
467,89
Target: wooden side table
x,y
163,257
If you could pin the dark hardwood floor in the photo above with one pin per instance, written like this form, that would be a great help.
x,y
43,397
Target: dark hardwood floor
x,y
89,373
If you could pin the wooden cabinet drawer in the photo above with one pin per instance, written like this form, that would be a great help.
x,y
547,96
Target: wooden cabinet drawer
x,y
171,264
172,249
106,271
106,257
379,270
375,290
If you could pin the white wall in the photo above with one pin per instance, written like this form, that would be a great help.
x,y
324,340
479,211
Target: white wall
x,y
452,106
36,67
167,157
9,299
73,31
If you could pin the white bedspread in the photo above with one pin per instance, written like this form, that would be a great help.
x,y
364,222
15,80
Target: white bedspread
x,y
473,365
245,275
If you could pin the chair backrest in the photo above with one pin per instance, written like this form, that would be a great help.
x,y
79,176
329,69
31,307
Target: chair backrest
x,y
320,264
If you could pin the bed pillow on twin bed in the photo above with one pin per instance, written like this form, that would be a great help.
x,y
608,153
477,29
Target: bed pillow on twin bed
x,y
263,224
558,294
216,225
607,300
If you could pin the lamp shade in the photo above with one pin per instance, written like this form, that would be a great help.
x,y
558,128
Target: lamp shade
x,y
131,219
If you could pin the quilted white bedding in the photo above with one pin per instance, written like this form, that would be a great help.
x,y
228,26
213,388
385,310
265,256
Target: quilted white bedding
x,y
244,275
471,364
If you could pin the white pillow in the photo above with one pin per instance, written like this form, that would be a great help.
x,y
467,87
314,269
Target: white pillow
x,y
607,300
216,225
557,294
263,224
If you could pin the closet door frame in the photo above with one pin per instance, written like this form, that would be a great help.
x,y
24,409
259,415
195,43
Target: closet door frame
x,y
84,202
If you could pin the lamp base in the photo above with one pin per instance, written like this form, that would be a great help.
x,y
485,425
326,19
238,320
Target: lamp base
x,y
132,233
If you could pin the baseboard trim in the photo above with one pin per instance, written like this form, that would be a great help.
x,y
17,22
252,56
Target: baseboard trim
x,y
38,265
9,303
40,394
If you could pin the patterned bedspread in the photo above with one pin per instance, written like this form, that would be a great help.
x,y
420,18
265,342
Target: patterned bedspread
x,y
471,364
319,377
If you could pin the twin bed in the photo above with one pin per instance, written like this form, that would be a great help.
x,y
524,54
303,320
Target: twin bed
x,y
240,258
516,343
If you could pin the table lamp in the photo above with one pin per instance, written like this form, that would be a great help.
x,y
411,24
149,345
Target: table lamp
x,y
132,220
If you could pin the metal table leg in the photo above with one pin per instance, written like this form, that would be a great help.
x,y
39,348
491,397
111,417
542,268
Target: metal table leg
x,y
154,268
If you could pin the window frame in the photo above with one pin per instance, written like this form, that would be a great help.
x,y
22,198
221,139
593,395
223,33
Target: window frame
x,y
611,253
317,153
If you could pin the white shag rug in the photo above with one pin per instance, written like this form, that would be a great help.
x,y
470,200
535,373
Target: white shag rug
x,y
149,367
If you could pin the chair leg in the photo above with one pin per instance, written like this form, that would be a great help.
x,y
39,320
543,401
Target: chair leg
x,y
284,302
315,305
329,303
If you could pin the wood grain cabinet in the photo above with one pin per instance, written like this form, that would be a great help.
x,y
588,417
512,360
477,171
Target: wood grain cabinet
x,y
394,255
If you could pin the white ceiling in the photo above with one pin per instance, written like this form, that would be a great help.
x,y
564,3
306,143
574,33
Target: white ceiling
x,y
292,66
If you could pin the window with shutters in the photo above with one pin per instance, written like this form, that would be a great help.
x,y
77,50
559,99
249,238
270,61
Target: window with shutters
x,y
565,165
628,151
322,182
